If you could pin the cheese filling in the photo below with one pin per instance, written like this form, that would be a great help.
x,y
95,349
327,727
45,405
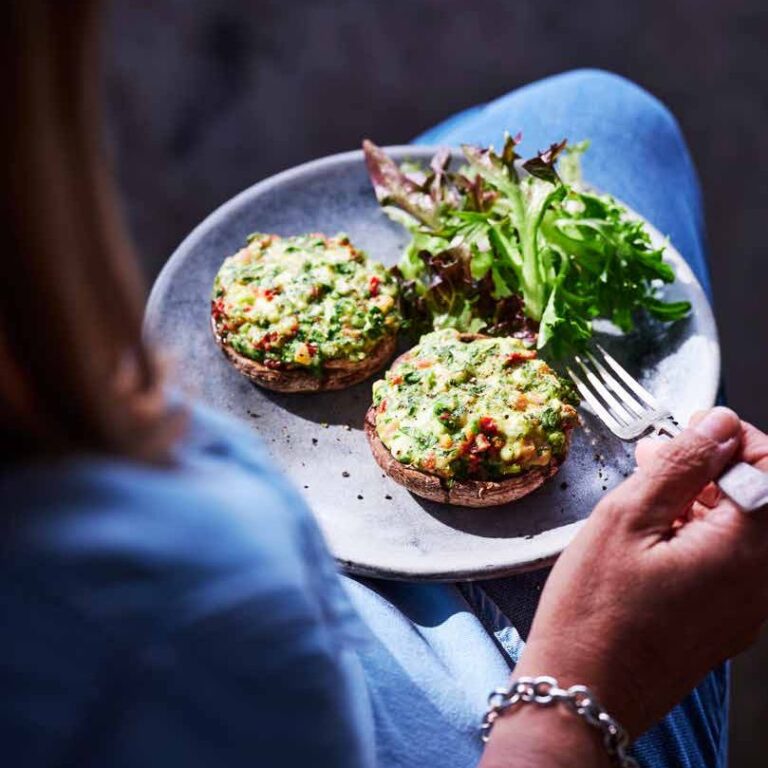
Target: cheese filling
x,y
484,409
300,301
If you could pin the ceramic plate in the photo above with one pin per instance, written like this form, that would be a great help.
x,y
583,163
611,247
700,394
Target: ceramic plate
x,y
373,526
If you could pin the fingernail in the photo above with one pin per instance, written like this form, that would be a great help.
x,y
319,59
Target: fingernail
x,y
720,425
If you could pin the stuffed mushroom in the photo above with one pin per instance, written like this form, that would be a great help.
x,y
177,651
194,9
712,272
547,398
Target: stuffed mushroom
x,y
304,313
471,420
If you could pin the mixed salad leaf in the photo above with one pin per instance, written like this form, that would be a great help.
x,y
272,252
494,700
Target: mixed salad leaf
x,y
514,247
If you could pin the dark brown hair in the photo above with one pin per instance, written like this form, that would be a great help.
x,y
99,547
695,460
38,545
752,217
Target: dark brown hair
x,y
75,375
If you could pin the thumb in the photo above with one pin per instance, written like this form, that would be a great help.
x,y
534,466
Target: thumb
x,y
671,478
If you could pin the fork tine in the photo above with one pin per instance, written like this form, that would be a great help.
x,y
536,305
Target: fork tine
x,y
594,402
641,392
619,412
610,380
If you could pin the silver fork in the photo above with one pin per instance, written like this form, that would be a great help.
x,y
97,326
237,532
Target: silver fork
x,y
630,411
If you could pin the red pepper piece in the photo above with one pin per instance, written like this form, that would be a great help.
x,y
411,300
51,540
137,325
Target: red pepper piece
x,y
488,426
519,356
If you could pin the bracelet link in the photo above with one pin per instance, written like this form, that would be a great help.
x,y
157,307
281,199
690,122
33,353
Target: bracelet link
x,y
545,691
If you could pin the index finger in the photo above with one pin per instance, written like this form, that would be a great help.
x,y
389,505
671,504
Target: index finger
x,y
754,446
753,449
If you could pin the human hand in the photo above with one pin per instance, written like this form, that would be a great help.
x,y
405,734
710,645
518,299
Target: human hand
x,y
666,579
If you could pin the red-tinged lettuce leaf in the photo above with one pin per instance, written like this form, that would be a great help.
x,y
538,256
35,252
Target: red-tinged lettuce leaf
x,y
509,151
506,317
393,187
452,266
543,165
441,190
498,170
458,288
479,196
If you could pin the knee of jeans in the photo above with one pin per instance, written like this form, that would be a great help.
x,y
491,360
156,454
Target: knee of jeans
x,y
637,104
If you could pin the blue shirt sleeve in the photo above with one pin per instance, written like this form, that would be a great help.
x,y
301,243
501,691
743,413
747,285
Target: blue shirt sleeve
x,y
175,617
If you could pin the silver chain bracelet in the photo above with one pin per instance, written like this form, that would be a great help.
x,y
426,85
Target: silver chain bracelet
x,y
545,692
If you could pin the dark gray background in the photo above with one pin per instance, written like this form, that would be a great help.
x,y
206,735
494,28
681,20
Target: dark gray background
x,y
208,96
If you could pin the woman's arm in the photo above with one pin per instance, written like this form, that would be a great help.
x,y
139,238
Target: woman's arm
x,y
665,581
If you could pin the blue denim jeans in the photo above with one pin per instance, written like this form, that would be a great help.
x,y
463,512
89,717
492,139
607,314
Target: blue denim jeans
x,y
637,153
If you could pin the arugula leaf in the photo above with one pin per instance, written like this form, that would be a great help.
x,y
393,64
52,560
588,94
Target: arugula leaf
x,y
668,310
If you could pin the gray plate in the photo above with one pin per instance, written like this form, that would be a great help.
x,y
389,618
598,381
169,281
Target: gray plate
x,y
372,525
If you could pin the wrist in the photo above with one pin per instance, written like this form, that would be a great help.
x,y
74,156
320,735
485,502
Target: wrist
x,y
614,689
544,736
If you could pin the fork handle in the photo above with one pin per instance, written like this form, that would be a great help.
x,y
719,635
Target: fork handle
x,y
742,483
745,485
